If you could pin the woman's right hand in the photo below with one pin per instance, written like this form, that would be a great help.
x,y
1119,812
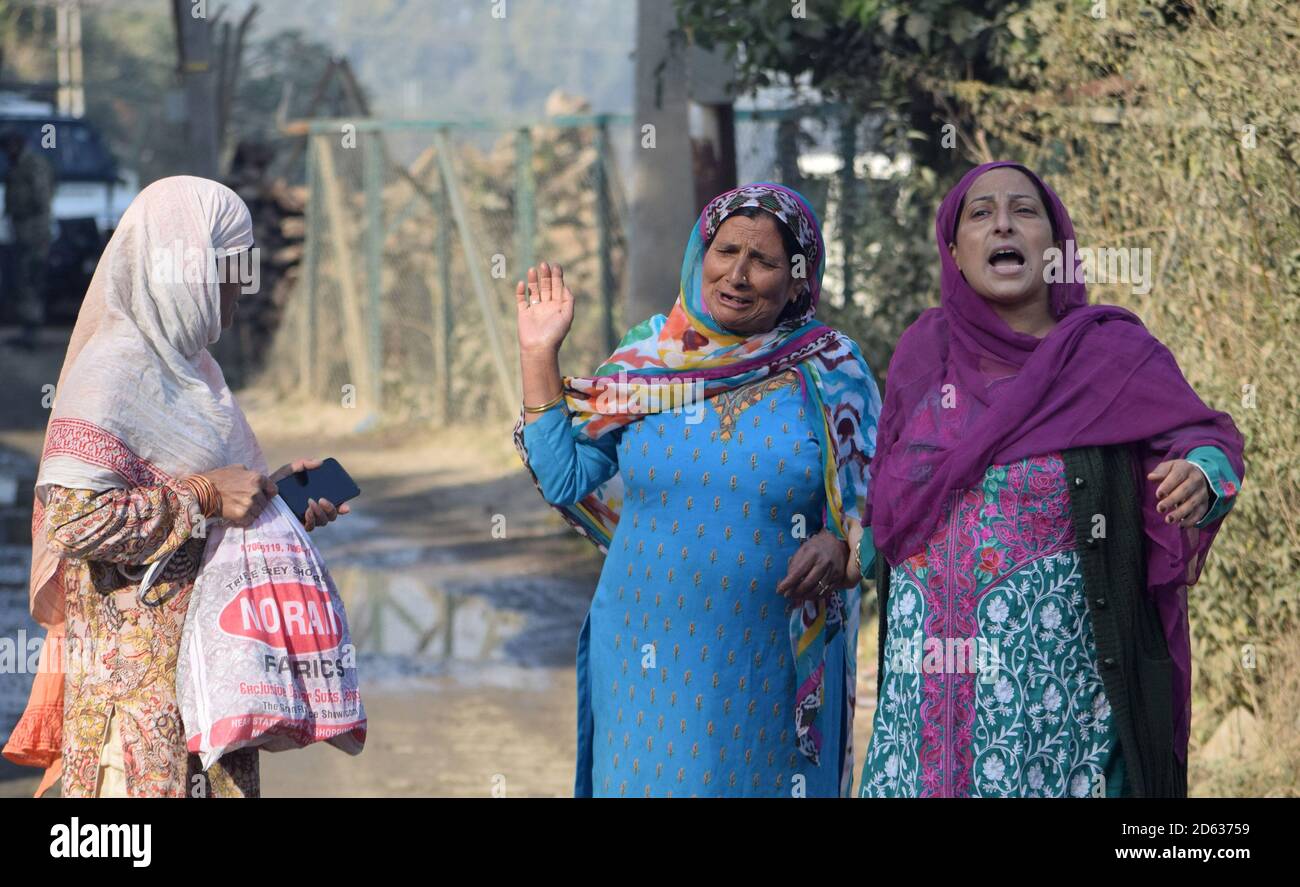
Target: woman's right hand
x,y
244,493
544,309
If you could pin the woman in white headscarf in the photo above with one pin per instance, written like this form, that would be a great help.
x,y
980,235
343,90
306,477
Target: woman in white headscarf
x,y
144,445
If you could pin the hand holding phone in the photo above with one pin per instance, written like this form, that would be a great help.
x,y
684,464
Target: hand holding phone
x,y
308,490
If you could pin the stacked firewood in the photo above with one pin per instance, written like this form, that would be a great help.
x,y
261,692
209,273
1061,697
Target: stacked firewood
x,y
419,331
279,233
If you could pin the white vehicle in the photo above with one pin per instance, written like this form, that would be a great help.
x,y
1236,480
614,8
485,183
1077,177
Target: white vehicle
x,y
90,195
90,185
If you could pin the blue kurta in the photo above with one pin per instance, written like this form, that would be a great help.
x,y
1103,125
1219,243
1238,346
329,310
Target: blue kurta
x,y
686,678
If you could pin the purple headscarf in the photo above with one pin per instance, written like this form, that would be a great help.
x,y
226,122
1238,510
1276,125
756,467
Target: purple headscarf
x,y
965,391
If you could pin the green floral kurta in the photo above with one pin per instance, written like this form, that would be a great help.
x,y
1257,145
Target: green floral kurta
x,y
991,685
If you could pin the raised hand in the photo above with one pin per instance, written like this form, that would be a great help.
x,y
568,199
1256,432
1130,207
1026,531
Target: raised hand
x,y
544,309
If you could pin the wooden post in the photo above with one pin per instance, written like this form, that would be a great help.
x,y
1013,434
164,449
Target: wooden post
x,y
372,173
231,55
712,123
354,345
194,45
72,93
308,363
442,313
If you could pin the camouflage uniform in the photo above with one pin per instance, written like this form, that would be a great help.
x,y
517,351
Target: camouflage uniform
x,y
29,187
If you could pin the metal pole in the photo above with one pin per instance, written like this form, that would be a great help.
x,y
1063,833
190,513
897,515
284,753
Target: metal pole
x,y
372,175
525,202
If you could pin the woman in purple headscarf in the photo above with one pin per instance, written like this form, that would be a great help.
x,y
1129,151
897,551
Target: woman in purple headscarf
x,y
1045,489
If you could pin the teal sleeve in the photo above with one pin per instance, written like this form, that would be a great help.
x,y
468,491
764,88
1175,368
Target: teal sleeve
x,y
567,464
1222,479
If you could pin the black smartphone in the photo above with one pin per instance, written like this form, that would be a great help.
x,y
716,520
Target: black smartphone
x,y
329,481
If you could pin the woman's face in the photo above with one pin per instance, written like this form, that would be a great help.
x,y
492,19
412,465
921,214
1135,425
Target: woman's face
x,y
228,285
1002,237
747,279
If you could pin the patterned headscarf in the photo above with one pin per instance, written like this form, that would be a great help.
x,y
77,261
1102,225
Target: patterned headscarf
x,y
669,360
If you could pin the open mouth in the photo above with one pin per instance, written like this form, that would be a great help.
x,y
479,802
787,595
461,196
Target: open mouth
x,y
1007,260
734,301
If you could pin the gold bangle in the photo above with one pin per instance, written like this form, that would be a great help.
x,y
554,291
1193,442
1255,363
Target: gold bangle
x,y
206,494
544,407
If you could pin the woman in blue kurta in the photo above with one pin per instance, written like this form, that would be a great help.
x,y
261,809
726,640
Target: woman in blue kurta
x,y
719,458
1007,408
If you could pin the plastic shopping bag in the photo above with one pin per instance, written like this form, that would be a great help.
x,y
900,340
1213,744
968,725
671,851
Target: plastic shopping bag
x,y
266,658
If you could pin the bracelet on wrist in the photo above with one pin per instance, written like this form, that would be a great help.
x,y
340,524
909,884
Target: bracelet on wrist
x,y
546,406
206,494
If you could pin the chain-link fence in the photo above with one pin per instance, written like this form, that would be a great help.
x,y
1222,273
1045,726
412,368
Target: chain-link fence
x,y
416,233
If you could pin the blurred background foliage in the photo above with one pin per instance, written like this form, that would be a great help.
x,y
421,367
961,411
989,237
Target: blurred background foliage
x,y
1171,126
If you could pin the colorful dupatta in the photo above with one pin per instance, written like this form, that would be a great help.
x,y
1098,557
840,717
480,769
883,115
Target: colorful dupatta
x,y
671,361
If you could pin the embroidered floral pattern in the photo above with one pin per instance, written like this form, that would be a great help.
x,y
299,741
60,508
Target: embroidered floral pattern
x,y
90,443
1029,716
730,404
